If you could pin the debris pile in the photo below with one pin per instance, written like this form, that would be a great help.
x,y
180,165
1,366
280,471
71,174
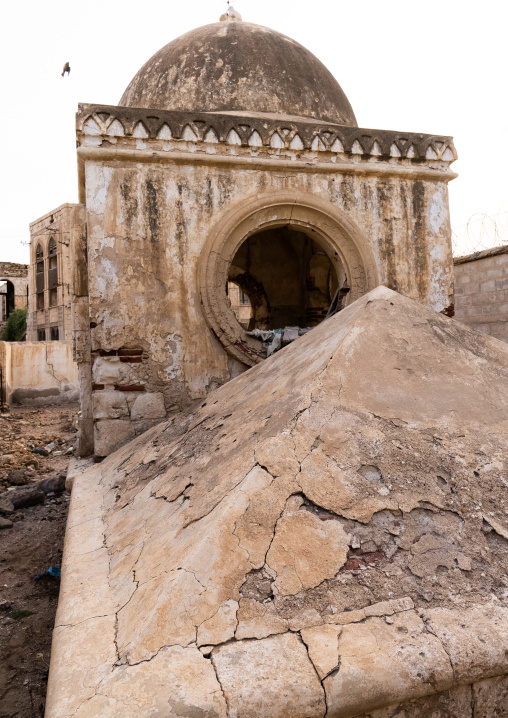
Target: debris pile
x,y
34,442
275,339
33,511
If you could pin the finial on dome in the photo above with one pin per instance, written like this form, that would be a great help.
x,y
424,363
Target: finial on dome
x,y
231,15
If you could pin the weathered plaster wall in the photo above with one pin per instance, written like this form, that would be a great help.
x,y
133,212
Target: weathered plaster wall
x,y
161,212
481,291
146,230
39,372
59,224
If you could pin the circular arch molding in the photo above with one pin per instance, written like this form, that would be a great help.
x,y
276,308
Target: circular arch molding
x,y
341,238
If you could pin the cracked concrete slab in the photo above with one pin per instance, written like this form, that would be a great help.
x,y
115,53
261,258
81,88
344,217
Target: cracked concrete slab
x,y
330,524
272,677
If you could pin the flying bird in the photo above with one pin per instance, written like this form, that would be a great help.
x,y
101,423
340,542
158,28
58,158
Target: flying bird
x,y
66,69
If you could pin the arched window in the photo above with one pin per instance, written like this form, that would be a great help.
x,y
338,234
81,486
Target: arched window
x,y
52,273
39,276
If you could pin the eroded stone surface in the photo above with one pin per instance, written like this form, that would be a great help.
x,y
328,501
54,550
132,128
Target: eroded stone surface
x,y
380,663
177,682
300,537
221,627
490,698
455,703
226,505
270,677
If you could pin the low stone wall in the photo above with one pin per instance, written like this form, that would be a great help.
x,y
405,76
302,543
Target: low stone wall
x,y
481,291
38,372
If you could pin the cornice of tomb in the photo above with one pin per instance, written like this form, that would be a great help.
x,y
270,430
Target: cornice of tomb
x,y
114,133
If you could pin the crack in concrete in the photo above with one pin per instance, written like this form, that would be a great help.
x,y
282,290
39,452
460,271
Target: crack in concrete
x,y
429,628
218,502
73,625
212,662
52,368
299,636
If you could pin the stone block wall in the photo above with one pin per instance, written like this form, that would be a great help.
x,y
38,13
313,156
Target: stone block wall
x,y
481,291
122,406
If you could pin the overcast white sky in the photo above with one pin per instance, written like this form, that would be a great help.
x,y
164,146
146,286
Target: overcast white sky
x,y
435,67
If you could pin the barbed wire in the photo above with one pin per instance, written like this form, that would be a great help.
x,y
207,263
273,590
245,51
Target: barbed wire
x,y
481,231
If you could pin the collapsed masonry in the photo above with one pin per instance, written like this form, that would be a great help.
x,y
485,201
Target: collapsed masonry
x,y
326,534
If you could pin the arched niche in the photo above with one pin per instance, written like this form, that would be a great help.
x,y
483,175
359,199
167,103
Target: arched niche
x,y
341,239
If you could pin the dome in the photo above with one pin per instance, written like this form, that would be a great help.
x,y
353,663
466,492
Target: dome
x,y
238,66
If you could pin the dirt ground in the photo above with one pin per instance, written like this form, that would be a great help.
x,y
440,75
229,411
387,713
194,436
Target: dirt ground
x,y
28,547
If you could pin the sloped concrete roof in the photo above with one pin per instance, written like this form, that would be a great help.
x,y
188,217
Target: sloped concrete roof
x,y
327,532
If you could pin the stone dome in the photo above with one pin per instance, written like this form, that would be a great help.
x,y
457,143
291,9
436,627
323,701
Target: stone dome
x,y
238,67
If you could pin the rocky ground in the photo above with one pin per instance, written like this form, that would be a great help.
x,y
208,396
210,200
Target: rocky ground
x,y
33,512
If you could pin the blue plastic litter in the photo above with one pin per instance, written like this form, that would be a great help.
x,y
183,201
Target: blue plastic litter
x,y
53,572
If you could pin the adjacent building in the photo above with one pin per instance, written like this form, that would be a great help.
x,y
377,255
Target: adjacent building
x,y
481,291
13,289
49,280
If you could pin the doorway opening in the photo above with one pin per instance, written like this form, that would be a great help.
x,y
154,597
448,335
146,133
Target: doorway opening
x,y
281,277
7,299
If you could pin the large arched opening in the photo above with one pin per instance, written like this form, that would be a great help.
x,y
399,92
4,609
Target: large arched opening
x,y
7,299
286,255
287,278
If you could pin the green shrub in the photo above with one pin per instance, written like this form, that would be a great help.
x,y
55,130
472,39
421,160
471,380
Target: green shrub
x,y
18,615
15,329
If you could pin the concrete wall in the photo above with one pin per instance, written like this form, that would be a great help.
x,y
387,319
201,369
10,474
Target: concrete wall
x,y
39,372
481,291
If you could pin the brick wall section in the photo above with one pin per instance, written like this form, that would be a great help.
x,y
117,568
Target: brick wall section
x,y
481,291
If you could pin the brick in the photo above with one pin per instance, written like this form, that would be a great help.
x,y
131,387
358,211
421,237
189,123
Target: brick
x,y
495,273
129,352
471,288
129,387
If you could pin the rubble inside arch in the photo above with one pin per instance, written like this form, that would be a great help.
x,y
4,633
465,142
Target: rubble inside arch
x,y
327,534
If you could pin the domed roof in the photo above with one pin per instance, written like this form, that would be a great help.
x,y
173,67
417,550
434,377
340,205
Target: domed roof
x,y
239,66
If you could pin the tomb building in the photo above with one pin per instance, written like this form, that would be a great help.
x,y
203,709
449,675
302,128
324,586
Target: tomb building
x,y
233,158
324,535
